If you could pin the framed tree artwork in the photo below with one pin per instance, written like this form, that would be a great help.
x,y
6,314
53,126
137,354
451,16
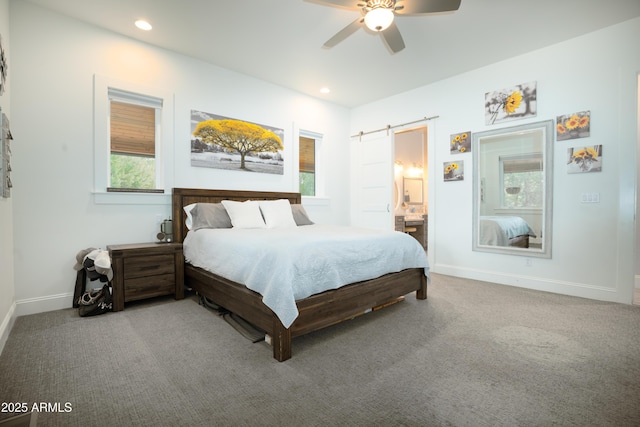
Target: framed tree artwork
x,y
224,143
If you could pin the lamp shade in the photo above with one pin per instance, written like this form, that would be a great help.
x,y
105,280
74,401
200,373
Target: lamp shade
x,y
378,19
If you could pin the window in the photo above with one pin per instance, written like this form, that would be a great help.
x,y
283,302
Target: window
x,y
522,181
307,166
133,137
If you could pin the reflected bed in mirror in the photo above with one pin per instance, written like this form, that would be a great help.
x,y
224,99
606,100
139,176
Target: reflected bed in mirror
x,y
512,191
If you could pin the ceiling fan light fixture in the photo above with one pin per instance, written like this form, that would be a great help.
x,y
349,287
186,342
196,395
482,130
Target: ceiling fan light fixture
x,y
378,19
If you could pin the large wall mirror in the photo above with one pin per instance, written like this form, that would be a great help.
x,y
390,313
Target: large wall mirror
x,y
512,189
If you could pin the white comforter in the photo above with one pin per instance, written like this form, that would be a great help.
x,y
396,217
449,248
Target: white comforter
x,y
287,264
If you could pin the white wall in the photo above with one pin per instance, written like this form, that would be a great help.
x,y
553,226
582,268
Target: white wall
x,y
7,292
593,244
54,59
52,212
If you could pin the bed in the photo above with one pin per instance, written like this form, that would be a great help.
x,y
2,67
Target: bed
x,y
314,312
505,231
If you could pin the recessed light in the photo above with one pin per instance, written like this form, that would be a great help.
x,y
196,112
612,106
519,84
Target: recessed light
x,y
325,90
143,25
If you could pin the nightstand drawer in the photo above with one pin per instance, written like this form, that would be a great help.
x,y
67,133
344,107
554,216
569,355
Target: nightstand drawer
x,y
153,265
149,286
146,270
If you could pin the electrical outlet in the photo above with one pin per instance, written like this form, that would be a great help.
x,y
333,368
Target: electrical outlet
x,y
590,198
158,218
528,262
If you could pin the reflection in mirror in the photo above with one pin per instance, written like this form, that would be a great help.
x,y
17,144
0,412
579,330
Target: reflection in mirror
x,y
512,193
413,191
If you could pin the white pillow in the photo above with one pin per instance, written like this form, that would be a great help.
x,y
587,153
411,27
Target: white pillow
x,y
244,214
189,221
277,213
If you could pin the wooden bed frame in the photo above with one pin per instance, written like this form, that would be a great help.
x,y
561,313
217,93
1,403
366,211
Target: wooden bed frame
x,y
520,241
315,312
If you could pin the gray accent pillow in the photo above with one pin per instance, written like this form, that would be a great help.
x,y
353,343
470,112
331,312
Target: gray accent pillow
x,y
210,215
300,215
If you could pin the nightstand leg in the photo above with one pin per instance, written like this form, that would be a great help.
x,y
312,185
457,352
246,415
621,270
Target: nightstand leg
x,y
117,265
179,263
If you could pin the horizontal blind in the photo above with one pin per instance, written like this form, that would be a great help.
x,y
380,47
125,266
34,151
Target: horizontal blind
x,y
133,123
132,129
524,163
307,154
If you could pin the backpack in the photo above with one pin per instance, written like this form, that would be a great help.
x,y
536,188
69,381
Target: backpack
x,y
95,301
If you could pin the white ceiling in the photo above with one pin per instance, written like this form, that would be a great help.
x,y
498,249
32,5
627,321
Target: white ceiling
x,y
280,41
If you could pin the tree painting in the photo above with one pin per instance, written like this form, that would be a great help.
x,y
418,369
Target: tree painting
x,y
225,143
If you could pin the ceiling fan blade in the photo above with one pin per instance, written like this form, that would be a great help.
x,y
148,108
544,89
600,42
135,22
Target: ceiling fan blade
x,y
422,7
344,33
392,38
344,4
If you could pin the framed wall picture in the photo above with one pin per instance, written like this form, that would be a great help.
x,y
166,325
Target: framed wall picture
x,y
511,103
453,171
224,143
584,159
4,68
460,142
574,125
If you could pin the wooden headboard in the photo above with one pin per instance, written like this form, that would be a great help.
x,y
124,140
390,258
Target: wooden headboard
x,y
185,196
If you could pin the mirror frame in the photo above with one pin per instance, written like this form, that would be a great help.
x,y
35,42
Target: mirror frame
x,y
547,128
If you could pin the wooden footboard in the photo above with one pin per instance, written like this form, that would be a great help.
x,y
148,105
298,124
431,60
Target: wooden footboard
x,y
520,241
315,312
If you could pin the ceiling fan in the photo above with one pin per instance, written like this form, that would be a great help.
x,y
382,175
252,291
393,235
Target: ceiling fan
x,y
378,16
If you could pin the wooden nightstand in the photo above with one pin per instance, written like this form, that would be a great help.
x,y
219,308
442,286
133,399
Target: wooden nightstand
x,y
145,270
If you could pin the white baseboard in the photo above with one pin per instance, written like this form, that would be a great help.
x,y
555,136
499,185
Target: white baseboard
x,y
42,304
536,283
637,281
32,306
7,325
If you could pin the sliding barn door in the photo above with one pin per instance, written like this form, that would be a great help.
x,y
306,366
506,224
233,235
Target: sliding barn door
x,y
373,168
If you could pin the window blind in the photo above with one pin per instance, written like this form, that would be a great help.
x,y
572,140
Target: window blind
x,y
133,123
524,163
307,155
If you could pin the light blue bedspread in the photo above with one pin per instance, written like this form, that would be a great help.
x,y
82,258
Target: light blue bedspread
x,y
497,230
287,264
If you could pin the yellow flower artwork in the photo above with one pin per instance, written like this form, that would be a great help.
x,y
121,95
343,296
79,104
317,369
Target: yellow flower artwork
x,y
584,159
572,126
453,171
460,143
511,103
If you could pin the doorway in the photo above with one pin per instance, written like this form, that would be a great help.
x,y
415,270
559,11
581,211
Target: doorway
x,y
411,207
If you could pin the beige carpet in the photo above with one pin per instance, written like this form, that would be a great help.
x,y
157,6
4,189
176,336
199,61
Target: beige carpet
x,y
473,354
